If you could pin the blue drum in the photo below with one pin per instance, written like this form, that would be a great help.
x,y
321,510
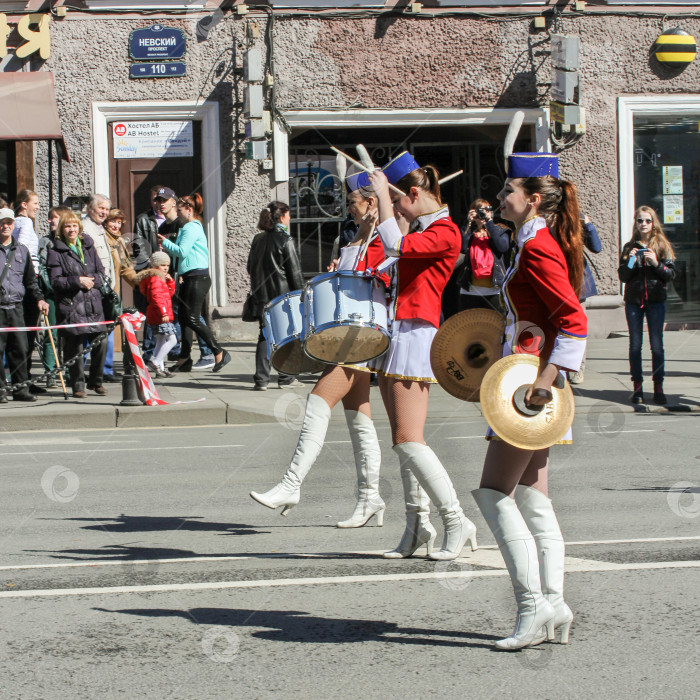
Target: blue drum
x,y
345,318
283,319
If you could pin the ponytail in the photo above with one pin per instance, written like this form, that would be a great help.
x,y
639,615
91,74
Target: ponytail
x,y
426,178
270,216
560,207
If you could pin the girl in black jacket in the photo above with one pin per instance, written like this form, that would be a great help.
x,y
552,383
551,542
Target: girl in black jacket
x,y
646,267
76,275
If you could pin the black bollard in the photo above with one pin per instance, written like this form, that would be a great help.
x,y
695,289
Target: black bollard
x,y
131,396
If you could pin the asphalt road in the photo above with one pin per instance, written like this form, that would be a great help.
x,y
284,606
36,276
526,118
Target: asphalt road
x,y
133,564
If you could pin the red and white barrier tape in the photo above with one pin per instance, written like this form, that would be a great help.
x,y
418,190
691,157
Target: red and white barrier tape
x,y
130,323
15,329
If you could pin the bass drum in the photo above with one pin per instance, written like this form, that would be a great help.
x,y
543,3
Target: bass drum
x,y
345,318
283,325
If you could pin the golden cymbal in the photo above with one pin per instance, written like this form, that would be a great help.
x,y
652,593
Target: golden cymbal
x,y
502,401
463,349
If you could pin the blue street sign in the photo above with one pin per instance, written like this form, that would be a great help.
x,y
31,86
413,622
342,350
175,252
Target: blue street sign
x,y
175,69
157,43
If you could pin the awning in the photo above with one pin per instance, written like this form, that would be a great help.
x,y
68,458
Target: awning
x,y
29,111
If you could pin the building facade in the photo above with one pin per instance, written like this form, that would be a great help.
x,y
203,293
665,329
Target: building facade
x,y
443,82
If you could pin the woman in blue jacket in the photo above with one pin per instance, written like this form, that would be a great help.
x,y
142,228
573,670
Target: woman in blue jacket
x,y
192,264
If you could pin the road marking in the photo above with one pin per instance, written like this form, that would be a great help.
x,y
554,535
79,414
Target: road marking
x,y
57,440
123,449
468,437
597,432
580,566
96,563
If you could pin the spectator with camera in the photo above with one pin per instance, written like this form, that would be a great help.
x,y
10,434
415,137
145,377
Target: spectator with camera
x,y
484,246
646,268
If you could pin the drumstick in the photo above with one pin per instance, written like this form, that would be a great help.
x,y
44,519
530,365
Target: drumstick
x,y
447,178
357,164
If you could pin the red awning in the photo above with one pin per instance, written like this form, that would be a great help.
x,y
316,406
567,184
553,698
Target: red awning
x,y
28,109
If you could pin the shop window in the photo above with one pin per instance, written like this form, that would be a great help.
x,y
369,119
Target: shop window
x,y
667,178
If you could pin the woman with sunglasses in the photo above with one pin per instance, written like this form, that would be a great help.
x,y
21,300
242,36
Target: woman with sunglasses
x,y
646,268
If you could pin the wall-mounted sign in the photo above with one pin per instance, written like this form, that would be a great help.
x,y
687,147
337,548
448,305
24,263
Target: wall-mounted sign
x,y
672,176
673,208
174,69
153,139
157,43
34,28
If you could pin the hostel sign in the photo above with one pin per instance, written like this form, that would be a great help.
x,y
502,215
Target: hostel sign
x,y
157,43
34,29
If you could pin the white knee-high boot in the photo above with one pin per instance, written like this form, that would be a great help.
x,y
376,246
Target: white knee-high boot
x,y
313,433
540,518
368,458
435,481
519,552
419,530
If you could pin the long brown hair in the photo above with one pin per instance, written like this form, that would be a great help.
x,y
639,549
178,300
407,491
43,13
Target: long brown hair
x,y
559,206
657,242
424,178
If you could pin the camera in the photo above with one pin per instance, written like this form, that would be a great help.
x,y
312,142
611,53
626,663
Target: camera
x,y
638,260
482,212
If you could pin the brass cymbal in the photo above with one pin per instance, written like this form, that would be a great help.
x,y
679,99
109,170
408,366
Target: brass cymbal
x,y
463,349
502,401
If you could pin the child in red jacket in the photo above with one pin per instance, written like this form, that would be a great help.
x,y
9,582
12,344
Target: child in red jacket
x,y
158,287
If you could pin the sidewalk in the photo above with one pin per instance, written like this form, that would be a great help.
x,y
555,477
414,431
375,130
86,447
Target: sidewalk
x,y
228,397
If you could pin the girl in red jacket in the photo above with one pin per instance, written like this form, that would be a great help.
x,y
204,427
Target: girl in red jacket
x,y
426,259
158,287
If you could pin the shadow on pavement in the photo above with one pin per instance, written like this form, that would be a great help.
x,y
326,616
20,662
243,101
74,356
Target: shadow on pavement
x,y
297,626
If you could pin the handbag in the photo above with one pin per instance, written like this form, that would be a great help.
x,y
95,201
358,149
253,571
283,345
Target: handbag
x,y
251,313
111,302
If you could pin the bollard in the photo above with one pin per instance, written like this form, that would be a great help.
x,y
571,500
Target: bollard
x,y
131,396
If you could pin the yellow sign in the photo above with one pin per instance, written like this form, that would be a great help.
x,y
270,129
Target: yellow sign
x,y
34,28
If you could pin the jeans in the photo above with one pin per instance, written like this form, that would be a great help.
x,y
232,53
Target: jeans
x,y
262,364
204,349
109,356
15,346
190,299
655,313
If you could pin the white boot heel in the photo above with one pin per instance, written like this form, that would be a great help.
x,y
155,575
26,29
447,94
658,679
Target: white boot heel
x,y
412,540
456,537
380,517
313,432
564,629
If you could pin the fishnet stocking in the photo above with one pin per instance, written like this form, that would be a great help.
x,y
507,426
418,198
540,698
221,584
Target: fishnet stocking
x,y
350,386
506,466
406,404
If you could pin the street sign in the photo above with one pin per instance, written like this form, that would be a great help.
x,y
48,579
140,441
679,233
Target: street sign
x,y
157,43
175,69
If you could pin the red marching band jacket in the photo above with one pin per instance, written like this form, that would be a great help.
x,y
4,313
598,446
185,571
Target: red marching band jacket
x,y
427,259
544,316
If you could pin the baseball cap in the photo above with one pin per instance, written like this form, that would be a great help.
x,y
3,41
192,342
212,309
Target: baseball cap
x,y
165,193
6,213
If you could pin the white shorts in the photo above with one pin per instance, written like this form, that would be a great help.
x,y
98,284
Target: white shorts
x,y
408,356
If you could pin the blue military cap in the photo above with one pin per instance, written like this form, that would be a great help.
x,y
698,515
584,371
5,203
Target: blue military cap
x,y
533,165
356,181
399,167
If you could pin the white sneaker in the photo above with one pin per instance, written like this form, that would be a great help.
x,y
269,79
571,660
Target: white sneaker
x,y
204,362
294,384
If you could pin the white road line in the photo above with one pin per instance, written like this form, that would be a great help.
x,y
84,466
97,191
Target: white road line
x,y
582,566
122,449
468,437
597,432
97,563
